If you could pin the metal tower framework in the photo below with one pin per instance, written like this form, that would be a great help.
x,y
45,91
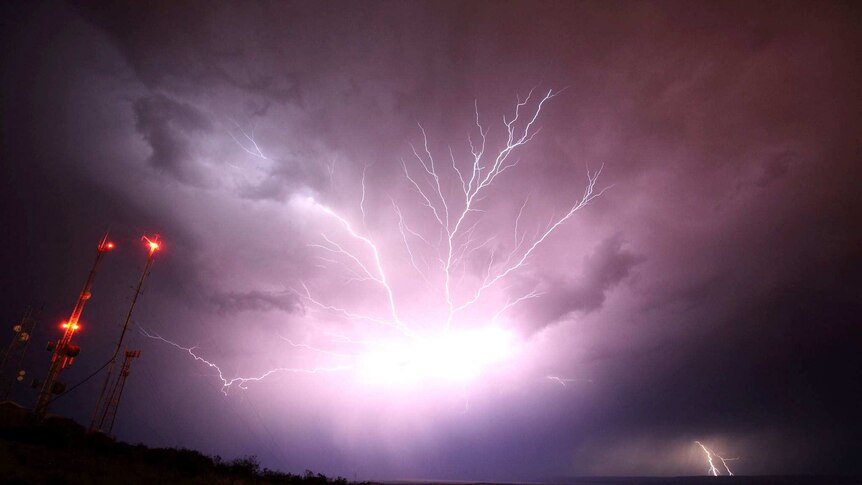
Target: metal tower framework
x,y
14,353
64,351
116,393
103,415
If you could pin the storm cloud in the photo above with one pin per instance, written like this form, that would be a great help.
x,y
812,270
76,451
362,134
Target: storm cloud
x,y
169,127
710,293
605,267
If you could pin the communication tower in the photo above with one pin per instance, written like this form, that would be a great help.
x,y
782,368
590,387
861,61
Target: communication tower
x,y
104,415
116,393
63,350
14,354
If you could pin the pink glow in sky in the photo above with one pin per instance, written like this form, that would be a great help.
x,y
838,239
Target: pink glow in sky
x,y
308,165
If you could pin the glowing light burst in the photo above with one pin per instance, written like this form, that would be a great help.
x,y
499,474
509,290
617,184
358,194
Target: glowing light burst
x,y
455,356
713,469
154,244
394,347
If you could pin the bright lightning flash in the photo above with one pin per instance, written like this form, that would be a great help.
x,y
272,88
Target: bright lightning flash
x,y
450,357
458,264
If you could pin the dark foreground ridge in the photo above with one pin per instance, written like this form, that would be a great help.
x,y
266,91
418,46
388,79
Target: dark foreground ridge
x,y
58,451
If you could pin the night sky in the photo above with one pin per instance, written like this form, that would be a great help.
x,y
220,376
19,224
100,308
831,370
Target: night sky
x,y
711,291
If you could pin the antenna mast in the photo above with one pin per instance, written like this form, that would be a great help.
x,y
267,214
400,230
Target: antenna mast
x,y
15,352
116,394
103,416
64,351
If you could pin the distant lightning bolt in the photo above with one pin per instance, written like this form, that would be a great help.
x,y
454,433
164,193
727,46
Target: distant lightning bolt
x,y
713,470
724,462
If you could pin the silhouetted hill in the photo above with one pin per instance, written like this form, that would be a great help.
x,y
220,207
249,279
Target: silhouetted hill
x,y
57,450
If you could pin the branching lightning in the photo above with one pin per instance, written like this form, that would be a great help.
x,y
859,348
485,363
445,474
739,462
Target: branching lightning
x,y
241,382
713,469
453,199
247,142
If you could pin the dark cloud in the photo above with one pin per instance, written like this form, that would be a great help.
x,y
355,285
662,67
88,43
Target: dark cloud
x,y
608,265
286,178
256,301
171,128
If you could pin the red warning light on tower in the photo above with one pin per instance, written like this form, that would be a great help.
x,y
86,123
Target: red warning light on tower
x,y
154,243
105,245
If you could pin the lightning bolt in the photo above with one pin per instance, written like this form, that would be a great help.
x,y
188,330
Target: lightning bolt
x,y
452,197
241,382
247,142
362,200
564,381
313,349
713,470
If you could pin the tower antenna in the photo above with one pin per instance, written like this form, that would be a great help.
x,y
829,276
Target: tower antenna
x,y
113,398
64,351
103,416
14,353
